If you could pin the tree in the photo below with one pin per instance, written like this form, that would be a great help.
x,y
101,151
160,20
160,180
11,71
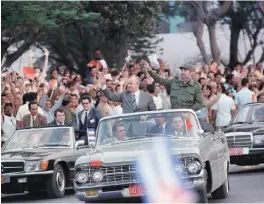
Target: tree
x,y
244,17
24,23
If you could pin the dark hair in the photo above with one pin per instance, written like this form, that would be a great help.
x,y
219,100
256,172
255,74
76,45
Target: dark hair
x,y
223,88
66,100
217,74
8,104
3,95
114,73
244,81
74,95
61,110
117,124
261,86
32,103
258,97
200,80
71,83
150,88
229,77
28,97
86,97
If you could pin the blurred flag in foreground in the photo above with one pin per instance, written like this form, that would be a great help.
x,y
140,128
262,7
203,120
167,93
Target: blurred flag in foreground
x,y
161,182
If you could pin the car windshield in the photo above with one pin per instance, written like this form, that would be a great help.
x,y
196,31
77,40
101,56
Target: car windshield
x,y
158,124
40,137
250,114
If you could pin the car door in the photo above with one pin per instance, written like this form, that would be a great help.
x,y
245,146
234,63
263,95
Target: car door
x,y
223,155
211,153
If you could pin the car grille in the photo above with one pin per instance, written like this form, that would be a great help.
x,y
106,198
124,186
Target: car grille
x,y
123,174
239,141
12,167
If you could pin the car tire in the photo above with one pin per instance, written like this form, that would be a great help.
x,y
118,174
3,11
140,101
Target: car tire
x,y
202,193
222,191
57,183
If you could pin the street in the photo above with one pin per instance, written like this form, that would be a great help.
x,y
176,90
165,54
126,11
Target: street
x,y
246,187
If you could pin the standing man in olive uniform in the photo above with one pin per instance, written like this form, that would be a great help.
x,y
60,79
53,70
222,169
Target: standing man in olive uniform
x,y
184,93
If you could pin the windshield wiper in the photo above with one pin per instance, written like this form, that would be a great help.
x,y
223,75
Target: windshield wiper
x,y
51,145
242,123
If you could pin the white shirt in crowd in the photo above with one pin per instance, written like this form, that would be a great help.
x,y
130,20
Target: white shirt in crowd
x,y
223,108
8,126
23,110
158,102
244,96
137,95
117,110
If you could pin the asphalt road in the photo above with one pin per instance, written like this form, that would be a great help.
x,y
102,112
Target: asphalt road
x,y
247,186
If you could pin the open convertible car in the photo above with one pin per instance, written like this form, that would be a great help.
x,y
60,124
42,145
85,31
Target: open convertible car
x,y
37,159
110,170
245,135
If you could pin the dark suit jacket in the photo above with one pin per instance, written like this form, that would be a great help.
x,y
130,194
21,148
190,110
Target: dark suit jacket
x,y
146,102
40,121
54,123
93,119
156,129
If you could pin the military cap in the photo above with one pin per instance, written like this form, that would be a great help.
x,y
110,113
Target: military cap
x,y
187,66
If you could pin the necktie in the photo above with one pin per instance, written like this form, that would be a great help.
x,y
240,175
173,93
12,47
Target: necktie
x,y
33,121
134,103
161,129
86,120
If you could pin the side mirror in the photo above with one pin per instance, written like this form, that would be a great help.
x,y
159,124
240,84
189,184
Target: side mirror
x,y
79,143
208,128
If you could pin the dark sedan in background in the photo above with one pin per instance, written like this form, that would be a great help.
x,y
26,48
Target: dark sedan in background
x,y
39,159
245,135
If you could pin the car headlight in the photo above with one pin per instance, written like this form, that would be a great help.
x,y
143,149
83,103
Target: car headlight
x,y
258,139
97,176
32,166
178,168
194,167
82,177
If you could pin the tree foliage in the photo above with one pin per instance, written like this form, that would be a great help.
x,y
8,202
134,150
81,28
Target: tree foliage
x,y
72,33
24,23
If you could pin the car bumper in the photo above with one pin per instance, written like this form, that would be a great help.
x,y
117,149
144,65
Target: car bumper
x,y
236,151
20,182
99,193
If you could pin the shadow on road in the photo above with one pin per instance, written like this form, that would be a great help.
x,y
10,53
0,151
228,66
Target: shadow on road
x,y
247,169
29,197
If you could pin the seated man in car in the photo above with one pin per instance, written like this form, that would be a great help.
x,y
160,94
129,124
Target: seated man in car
x,y
119,133
178,126
259,115
161,125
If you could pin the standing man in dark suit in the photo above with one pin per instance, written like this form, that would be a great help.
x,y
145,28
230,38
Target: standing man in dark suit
x,y
133,100
87,118
34,119
59,116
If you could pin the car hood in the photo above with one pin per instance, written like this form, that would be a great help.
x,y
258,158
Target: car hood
x,y
255,128
31,154
130,151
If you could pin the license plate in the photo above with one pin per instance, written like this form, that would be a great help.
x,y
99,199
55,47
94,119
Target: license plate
x,y
136,190
238,151
5,179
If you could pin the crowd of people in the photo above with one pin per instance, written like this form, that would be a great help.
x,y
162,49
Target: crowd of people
x,y
65,97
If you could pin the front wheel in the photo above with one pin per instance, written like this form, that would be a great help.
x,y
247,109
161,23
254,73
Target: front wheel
x,y
222,191
202,193
57,183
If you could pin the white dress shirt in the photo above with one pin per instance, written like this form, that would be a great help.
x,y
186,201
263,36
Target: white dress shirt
x,y
158,102
137,95
31,122
84,114
223,108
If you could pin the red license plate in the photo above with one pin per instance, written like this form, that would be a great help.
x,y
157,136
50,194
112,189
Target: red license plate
x,y
2,180
136,190
235,151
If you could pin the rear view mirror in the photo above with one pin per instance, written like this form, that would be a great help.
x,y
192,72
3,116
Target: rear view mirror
x,y
207,127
